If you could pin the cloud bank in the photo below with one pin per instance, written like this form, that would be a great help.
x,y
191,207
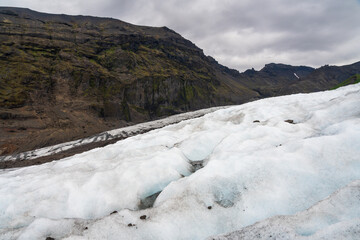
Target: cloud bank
x,y
239,34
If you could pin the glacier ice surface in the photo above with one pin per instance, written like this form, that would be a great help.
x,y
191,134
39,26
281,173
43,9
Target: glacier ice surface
x,y
252,171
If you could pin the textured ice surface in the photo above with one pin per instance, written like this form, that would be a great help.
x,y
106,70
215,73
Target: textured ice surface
x,y
108,135
336,217
253,170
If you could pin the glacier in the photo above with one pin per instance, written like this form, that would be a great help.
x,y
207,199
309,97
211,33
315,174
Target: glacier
x,y
336,217
115,134
276,163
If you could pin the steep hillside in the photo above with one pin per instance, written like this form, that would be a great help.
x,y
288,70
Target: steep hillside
x,y
351,80
326,77
69,77
270,80
280,79
66,77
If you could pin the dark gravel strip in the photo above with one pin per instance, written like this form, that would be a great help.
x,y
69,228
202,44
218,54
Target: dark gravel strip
x,y
63,154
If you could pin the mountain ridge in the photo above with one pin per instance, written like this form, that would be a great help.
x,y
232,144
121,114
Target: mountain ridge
x,y
68,77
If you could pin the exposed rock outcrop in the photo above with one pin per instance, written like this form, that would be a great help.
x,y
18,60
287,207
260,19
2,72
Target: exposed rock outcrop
x,y
69,77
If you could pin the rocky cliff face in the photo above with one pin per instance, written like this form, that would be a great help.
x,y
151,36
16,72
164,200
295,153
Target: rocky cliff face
x,y
68,77
324,78
280,79
273,78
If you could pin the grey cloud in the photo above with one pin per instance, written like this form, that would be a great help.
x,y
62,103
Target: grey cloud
x,y
240,34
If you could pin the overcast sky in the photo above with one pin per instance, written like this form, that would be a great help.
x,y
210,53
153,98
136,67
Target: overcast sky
x,y
240,34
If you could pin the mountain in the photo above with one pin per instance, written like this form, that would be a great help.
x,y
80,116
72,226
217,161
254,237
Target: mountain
x,y
280,79
68,77
351,80
270,80
325,77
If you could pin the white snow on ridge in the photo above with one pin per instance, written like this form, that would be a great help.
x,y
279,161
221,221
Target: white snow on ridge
x,y
253,171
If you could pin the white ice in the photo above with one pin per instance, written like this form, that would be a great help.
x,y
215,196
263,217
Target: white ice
x,y
108,135
256,166
336,217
